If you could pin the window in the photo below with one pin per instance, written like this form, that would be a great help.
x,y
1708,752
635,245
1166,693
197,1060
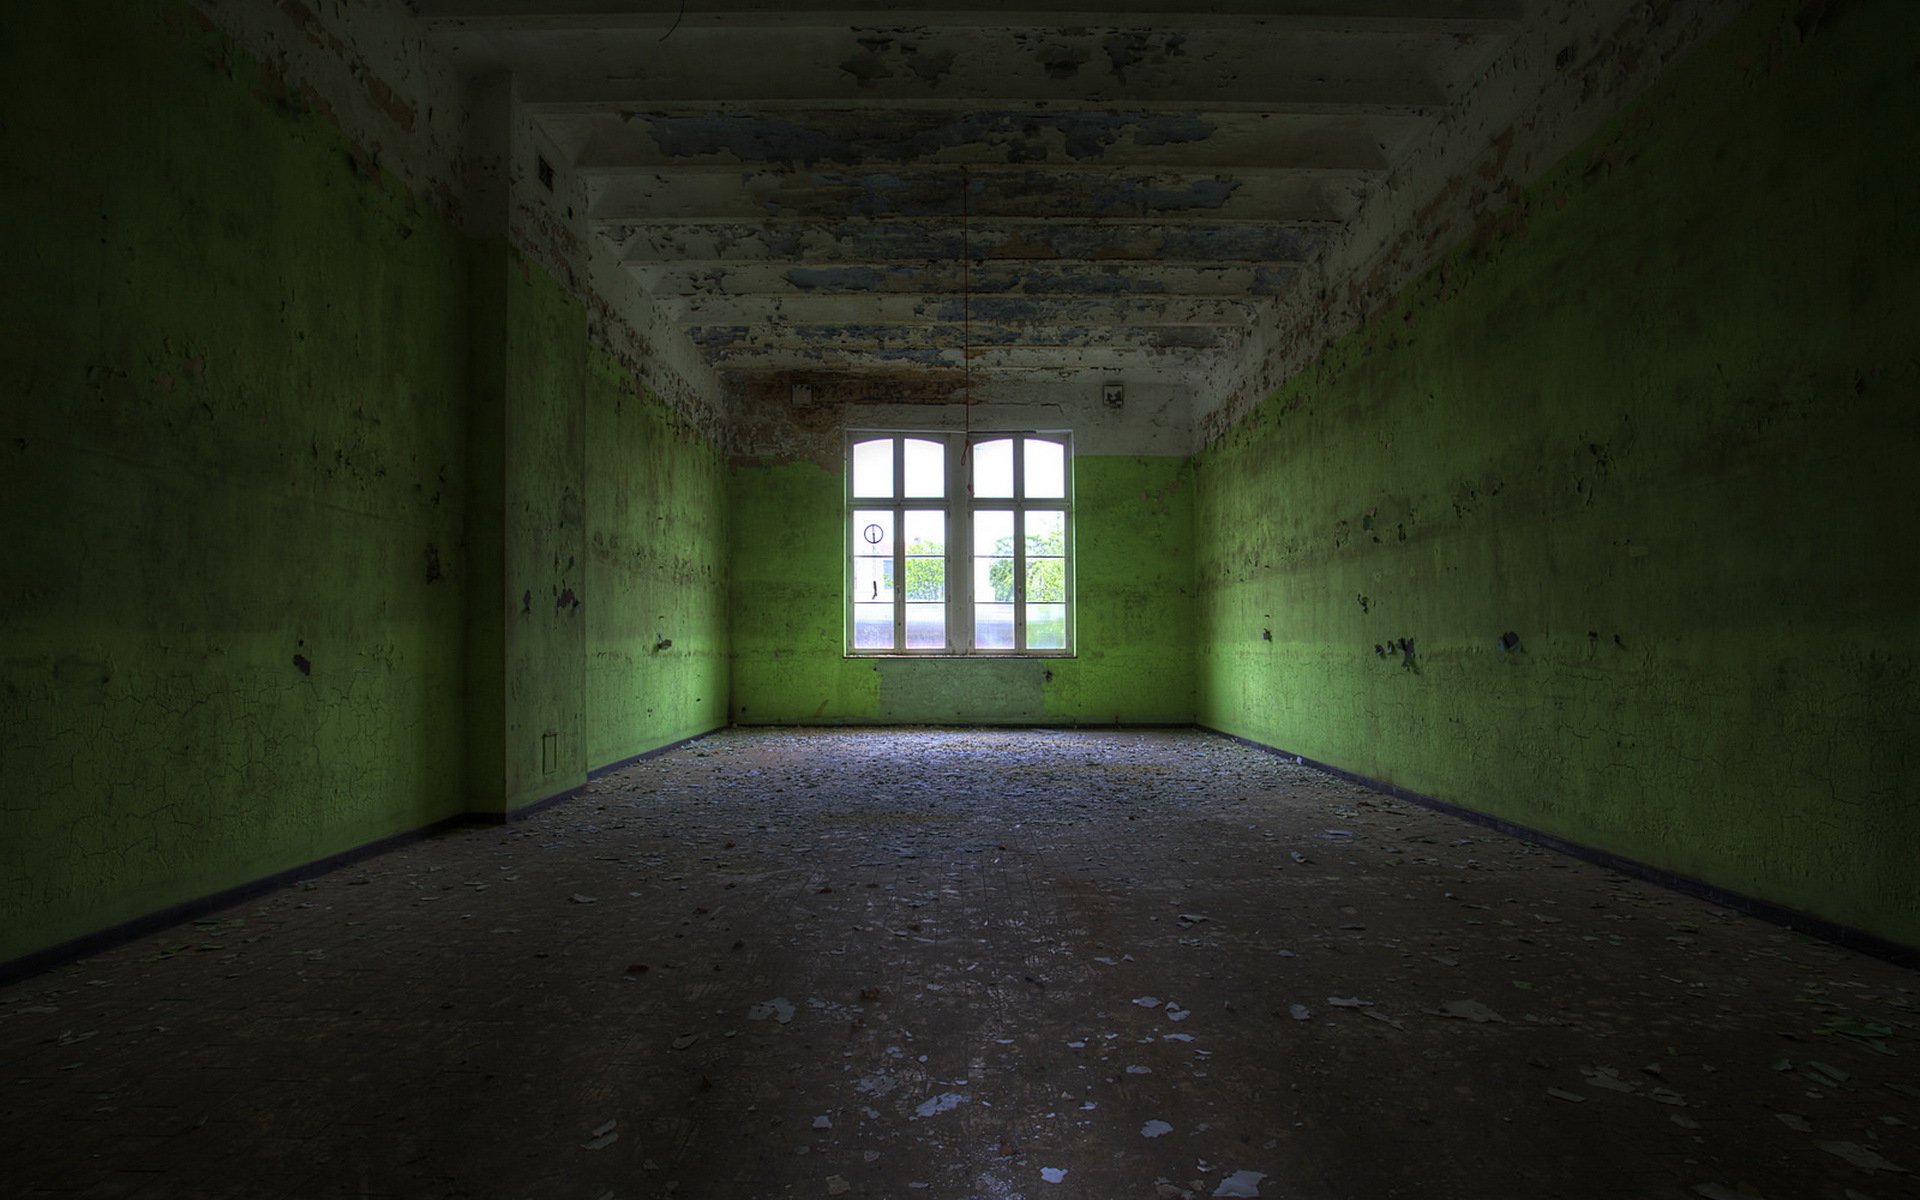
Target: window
x,y
960,545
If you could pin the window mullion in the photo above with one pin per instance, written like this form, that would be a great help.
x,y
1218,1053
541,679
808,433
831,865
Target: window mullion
x,y
899,545
959,551
963,502
1066,572
1019,546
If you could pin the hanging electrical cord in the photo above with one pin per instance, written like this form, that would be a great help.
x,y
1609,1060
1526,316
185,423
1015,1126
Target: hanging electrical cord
x,y
966,328
676,21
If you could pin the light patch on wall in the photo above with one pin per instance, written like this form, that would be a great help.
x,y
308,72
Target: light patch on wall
x,y
970,691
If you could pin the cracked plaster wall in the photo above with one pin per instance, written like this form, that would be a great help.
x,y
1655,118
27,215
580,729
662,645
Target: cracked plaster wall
x,y
294,420
1603,525
1577,63
546,220
1133,522
771,425
655,568
235,377
605,519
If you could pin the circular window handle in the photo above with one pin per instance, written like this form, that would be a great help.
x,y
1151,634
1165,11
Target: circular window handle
x,y
873,534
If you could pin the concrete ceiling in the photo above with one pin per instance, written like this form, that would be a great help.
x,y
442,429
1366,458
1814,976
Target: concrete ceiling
x,y
919,197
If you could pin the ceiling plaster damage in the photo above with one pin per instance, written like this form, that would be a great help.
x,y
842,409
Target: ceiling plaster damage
x,y
934,204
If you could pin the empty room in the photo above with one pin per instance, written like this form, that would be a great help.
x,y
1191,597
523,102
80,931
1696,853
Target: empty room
x,y
1308,599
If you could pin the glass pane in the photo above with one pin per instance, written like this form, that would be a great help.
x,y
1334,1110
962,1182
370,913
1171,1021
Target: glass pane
x,y
873,626
1047,580
926,627
1046,533
873,531
873,468
926,531
992,580
1046,627
993,626
873,579
1046,470
926,469
926,578
993,469
926,555
993,532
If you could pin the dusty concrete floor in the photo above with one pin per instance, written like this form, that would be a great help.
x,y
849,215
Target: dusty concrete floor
x,y
959,964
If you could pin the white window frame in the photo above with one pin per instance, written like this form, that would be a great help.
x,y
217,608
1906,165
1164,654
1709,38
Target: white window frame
x,y
961,507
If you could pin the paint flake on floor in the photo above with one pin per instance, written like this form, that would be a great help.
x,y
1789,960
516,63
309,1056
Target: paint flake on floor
x,y
937,962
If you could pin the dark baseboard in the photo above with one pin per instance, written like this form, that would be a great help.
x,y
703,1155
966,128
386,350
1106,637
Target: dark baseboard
x,y
1819,927
644,755
1012,723
87,945
530,808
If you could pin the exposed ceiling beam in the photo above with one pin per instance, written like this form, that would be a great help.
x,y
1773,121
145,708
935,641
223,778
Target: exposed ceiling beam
x,y
881,338
999,68
701,246
760,391
709,197
1148,142
1122,188
1024,279
926,309
1333,98
982,359
656,16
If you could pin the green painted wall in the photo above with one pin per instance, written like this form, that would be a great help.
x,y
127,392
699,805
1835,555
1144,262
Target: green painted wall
x,y
487,609
656,663
304,526
1133,523
545,365
232,375
1658,422
612,520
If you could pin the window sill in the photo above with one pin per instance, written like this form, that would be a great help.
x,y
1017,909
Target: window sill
x,y
977,656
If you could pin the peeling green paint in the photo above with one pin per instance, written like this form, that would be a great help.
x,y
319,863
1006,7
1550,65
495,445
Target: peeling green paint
x,y
600,632
1656,422
1133,523
656,572
544,358
321,517
234,432
325,522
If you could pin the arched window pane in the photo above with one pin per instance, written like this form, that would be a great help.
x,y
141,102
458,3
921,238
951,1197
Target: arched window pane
x,y
1046,470
873,467
993,470
926,470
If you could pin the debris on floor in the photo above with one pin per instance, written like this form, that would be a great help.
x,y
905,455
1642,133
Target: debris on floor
x,y
1240,1183
968,964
